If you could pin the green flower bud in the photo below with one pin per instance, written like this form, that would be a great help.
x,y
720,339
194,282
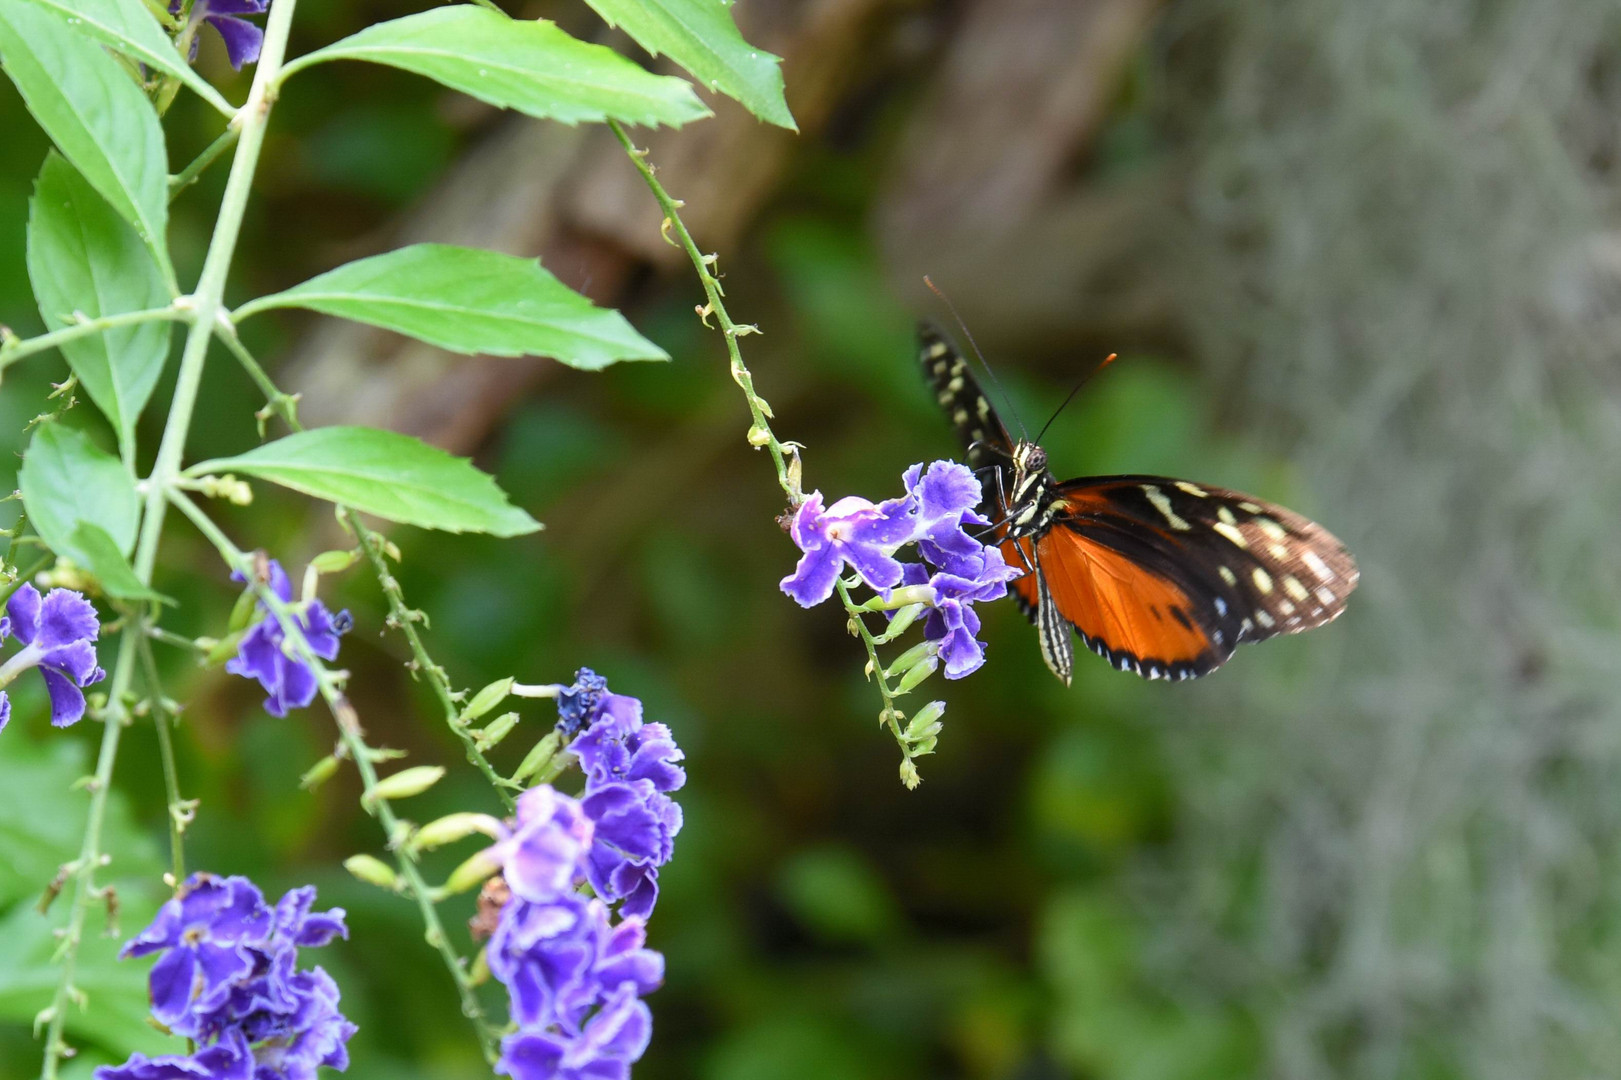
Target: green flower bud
x,y
472,873
242,613
913,678
334,562
454,827
495,731
319,773
910,658
225,649
538,758
372,871
407,782
902,622
486,699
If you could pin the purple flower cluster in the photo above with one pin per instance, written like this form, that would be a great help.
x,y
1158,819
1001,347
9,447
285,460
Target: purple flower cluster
x,y
261,655
229,980
243,39
575,968
934,514
58,633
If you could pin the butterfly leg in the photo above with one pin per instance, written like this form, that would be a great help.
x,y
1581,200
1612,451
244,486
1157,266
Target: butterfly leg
x,y
1057,646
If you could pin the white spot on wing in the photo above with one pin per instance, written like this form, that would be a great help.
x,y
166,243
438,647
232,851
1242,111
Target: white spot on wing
x,y
1162,503
1192,489
1316,565
1231,533
1263,580
1292,586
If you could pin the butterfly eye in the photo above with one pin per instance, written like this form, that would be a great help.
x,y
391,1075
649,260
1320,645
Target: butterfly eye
x,y
1037,461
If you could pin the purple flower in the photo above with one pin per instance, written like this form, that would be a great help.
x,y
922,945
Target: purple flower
x,y
57,633
952,621
230,981
854,531
206,930
230,1059
557,960
578,702
243,39
629,767
944,497
290,683
545,855
604,1049
619,746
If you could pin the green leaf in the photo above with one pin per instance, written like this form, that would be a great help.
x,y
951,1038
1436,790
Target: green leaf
x,y
83,257
95,113
129,27
66,479
470,301
42,820
531,66
102,557
701,36
384,473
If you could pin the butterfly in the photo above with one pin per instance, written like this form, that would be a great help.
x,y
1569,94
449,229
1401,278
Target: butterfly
x,y
1162,578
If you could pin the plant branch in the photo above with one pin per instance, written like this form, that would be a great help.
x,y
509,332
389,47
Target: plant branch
x,y
784,455
15,349
171,775
206,304
349,730
188,176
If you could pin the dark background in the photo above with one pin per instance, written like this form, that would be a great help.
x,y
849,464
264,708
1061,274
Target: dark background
x,y
1358,258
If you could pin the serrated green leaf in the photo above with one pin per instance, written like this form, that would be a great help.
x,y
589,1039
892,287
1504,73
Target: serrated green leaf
x,y
42,822
528,65
470,301
384,473
91,108
83,257
66,479
99,554
701,36
129,27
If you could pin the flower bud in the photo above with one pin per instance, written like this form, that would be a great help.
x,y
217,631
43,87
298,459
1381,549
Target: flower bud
x,y
407,782
319,773
909,659
224,649
901,622
914,677
333,562
909,775
472,873
759,436
242,613
486,699
372,871
495,731
926,721
454,827
538,758
901,597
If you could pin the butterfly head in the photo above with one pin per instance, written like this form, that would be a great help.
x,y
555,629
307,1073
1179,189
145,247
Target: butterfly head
x,y
1027,496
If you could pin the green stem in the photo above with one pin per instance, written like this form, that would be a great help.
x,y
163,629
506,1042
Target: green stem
x,y
759,411
188,176
349,731
83,873
17,349
171,775
207,301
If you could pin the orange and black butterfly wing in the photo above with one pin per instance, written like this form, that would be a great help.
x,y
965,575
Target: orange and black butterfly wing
x,y
1165,578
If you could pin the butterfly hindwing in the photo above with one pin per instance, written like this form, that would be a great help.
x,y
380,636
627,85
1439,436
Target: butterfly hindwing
x,y
1165,577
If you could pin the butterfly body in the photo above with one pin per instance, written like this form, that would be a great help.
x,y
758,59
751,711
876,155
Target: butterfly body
x,y
1161,577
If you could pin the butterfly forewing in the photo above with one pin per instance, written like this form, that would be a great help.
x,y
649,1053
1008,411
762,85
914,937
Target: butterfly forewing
x,y
965,404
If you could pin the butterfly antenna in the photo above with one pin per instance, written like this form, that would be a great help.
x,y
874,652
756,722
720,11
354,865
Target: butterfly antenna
x,y
1000,389
1107,360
